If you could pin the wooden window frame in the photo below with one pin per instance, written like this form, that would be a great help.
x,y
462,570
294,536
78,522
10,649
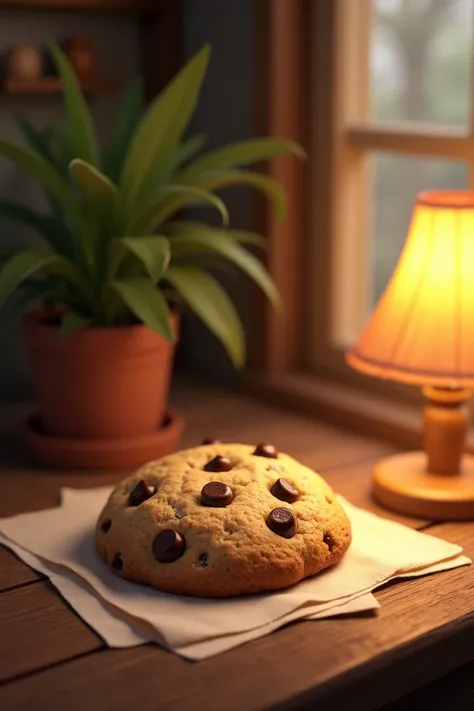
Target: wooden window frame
x,y
292,364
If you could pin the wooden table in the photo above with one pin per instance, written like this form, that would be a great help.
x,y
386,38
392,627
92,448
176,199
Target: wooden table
x,y
50,659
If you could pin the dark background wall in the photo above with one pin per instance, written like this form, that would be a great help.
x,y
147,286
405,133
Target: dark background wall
x,y
225,114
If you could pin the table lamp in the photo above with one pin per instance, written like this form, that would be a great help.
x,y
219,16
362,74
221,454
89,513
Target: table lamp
x,y
422,333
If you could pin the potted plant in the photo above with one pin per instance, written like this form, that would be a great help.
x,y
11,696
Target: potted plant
x,y
101,298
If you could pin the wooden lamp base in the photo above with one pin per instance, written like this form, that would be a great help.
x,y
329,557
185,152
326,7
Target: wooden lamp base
x,y
439,482
403,483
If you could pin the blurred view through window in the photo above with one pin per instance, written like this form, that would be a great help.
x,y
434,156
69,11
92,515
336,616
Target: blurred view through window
x,y
420,65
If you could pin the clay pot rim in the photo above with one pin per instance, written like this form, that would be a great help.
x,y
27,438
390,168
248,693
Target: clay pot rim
x,y
36,318
88,342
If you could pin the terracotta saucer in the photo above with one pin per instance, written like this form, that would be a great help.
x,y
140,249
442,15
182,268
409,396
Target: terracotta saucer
x,y
76,453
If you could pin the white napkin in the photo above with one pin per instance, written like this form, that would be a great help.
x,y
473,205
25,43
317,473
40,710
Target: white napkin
x,y
59,542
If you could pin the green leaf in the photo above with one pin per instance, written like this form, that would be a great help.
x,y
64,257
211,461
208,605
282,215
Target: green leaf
x,y
268,186
29,261
241,236
45,173
98,191
219,241
125,126
152,251
147,303
62,147
161,127
188,149
169,200
79,117
34,139
243,153
100,195
209,301
72,322
27,215
251,238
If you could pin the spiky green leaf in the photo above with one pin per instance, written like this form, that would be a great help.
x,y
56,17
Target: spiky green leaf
x,y
243,153
30,261
169,200
45,173
34,138
72,322
162,126
219,180
124,129
100,195
209,239
79,117
242,236
153,252
204,295
147,303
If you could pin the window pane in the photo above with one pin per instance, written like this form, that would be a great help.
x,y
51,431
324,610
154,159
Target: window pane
x,y
396,181
421,60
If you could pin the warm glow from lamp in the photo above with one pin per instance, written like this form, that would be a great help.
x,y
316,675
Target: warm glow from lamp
x,y
422,332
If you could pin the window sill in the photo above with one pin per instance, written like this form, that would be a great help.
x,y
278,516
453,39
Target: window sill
x,y
342,405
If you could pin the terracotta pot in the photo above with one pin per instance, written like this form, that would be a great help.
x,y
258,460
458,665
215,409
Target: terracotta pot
x,y
24,61
82,56
99,382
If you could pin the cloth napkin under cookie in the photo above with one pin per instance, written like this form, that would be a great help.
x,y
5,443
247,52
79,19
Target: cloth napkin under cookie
x,y
60,543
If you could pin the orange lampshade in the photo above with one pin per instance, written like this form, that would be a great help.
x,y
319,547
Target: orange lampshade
x,y
422,330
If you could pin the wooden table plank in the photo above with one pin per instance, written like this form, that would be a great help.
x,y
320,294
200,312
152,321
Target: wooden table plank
x,y
38,629
13,571
368,660
342,664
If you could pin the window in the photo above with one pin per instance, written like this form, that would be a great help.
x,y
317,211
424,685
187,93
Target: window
x,y
392,113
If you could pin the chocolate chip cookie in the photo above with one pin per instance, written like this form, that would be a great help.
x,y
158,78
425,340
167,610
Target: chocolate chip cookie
x,y
221,520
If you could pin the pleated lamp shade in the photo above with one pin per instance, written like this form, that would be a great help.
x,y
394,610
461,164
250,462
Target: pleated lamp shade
x,y
422,330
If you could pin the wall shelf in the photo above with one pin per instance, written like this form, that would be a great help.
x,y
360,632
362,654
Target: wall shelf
x,y
114,5
52,85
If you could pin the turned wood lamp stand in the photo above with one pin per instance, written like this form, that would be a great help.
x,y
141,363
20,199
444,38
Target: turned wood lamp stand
x,y
422,332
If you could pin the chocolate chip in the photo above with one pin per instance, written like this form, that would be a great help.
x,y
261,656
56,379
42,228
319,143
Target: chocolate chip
x,y
168,546
202,560
218,464
118,562
141,493
282,521
105,525
329,541
283,490
216,494
209,440
266,450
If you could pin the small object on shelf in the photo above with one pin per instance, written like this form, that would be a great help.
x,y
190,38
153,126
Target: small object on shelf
x,y
82,56
23,62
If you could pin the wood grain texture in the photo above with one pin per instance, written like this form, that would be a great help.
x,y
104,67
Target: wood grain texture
x,y
38,629
52,85
225,416
422,631
13,571
279,101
